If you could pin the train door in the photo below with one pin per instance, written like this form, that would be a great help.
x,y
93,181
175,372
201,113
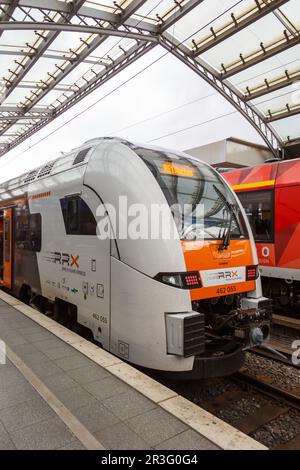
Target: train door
x,y
6,248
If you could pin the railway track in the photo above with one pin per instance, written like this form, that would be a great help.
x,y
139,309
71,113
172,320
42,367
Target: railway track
x,y
283,332
253,400
262,384
284,402
289,322
284,349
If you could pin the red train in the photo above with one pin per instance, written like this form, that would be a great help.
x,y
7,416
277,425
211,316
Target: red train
x,y
270,194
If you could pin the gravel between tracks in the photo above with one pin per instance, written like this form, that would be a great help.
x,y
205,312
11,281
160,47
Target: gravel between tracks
x,y
281,375
279,431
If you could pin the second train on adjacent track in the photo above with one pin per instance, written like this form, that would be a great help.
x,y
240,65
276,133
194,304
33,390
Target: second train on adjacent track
x,y
270,195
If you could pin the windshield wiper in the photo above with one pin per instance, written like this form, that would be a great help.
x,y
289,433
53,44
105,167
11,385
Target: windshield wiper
x,y
232,212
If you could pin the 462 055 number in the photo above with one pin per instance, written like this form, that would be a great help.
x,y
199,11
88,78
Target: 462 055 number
x,y
226,290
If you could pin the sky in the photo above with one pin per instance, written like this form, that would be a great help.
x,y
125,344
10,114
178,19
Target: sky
x,y
166,104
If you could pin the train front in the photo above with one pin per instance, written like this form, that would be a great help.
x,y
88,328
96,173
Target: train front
x,y
185,288
221,274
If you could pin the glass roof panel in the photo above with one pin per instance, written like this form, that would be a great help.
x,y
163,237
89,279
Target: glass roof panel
x,y
190,27
18,37
28,68
288,128
69,40
41,68
269,68
8,62
100,4
76,74
266,30
278,99
50,98
155,7
292,11
16,96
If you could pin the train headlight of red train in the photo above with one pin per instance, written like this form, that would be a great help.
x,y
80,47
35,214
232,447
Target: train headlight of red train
x,y
252,273
188,280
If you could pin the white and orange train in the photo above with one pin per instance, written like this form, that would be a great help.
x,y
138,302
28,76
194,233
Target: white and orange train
x,y
189,304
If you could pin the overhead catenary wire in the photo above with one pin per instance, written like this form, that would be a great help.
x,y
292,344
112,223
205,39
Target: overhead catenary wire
x,y
183,129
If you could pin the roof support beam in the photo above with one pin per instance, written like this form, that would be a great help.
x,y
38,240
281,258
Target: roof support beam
x,y
20,72
264,53
229,93
286,112
16,109
21,116
30,86
49,55
23,25
272,85
85,12
7,12
258,11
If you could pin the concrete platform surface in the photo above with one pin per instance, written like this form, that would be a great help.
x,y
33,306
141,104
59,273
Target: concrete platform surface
x,y
58,391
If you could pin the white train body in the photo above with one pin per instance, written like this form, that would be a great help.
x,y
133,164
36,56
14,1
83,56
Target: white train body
x,y
112,284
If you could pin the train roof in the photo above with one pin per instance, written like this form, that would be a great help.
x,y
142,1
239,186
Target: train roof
x,y
75,157
283,173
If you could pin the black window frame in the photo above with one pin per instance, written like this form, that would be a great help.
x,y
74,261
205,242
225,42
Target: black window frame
x,y
149,157
81,227
28,235
258,192
7,232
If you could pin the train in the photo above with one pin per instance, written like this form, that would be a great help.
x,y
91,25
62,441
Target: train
x,y
185,299
269,194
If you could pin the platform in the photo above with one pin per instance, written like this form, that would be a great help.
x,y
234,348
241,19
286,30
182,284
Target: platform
x,y
59,391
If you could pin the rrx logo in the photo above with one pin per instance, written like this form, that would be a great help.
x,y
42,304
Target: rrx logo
x,y
227,275
66,259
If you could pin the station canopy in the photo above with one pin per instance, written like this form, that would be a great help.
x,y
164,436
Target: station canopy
x,y
53,53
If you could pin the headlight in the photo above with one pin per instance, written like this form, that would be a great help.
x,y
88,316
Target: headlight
x,y
251,273
188,280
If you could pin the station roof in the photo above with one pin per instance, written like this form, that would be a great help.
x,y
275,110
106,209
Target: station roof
x,y
58,51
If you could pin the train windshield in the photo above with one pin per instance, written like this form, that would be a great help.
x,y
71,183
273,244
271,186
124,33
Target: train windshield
x,y
203,207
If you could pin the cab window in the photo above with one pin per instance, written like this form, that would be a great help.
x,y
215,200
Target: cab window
x,y
259,207
78,217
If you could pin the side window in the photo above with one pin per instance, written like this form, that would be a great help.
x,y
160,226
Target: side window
x,y
28,230
35,232
78,217
7,240
259,207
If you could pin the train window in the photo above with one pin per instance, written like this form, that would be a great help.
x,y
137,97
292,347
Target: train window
x,y
202,205
259,207
7,240
78,217
35,232
28,230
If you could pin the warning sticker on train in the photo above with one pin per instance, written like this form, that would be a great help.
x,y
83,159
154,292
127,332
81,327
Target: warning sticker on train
x,y
218,277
